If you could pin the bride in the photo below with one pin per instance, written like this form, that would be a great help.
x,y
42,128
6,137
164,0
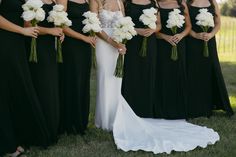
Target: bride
x,y
113,113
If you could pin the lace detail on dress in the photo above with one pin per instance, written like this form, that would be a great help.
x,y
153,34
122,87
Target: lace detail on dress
x,y
108,18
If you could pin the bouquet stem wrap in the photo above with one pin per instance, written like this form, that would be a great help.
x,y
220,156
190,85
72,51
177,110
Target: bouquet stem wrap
x,y
119,71
174,50
33,48
143,50
59,50
205,48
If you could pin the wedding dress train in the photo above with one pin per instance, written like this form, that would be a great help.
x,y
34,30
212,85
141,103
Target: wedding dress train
x,y
131,132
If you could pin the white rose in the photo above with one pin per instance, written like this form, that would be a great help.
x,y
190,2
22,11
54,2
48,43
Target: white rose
x,y
58,7
28,15
40,15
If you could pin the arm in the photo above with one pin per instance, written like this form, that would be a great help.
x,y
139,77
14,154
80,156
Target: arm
x,y
188,26
146,32
208,36
71,33
11,27
94,7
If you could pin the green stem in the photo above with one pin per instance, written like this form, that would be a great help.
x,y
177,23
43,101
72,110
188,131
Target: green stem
x,y
119,72
59,51
205,50
143,50
33,48
174,53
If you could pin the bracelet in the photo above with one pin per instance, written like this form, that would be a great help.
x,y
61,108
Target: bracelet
x,y
108,39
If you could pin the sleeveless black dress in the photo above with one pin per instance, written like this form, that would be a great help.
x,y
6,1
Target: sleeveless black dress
x,y
139,72
45,77
75,75
170,76
21,118
206,85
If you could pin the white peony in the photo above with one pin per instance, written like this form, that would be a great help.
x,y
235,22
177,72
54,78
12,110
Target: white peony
x,y
123,30
205,18
59,17
29,15
58,7
149,18
33,11
32,5
91,23
40,15
175,19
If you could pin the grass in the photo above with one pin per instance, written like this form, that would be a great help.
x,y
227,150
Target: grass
x,y
98,143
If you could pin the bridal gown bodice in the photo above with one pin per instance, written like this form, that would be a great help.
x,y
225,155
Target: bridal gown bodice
x,y
108,86
131,132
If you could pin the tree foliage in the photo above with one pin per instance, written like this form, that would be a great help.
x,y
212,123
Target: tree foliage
x,y
228,8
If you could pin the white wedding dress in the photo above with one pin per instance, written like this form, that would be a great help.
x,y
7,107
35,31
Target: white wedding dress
x,y
131,132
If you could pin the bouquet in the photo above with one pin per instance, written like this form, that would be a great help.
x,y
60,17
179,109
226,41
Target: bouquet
x,y
59,17
175,21
92,26
123,31
148,18
33,13
205,20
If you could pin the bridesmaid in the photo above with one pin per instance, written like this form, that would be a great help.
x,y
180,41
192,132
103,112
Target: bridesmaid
x,y
75,70
207,91
45,72
171,75
139,72
21,118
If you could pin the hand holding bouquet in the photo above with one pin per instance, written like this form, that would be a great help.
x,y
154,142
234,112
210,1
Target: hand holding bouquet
x,y
92,26
59,17
33,13
175,21
148,18
205,20
123,31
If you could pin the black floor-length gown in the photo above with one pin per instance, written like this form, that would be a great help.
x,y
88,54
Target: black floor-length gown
x,y
206,85
75,75
139,72
171,75
45,77
22,121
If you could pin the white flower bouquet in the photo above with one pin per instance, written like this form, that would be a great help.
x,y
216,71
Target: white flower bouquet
x,y
175,21
123,31
91,26
148,18
60,19
33,13
205,20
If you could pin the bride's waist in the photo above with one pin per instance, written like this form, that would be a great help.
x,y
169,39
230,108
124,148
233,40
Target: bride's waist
x,y
108,31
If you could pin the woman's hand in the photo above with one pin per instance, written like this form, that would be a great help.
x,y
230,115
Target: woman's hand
x,y
30,31
121,49
90,40
145,32
56,31
207,36
169,39
177,38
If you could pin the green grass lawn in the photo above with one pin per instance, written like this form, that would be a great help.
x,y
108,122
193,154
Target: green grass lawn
x,y
98,143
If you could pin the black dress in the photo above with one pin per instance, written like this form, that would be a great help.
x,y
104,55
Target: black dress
x,y
139,72
75,75
21,118
207,89
45,77
170,76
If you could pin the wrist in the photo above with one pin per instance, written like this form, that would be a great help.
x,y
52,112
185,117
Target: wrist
x,y
21,30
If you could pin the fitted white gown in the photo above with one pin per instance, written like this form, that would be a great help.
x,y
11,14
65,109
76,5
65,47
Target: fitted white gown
x,y
131,132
